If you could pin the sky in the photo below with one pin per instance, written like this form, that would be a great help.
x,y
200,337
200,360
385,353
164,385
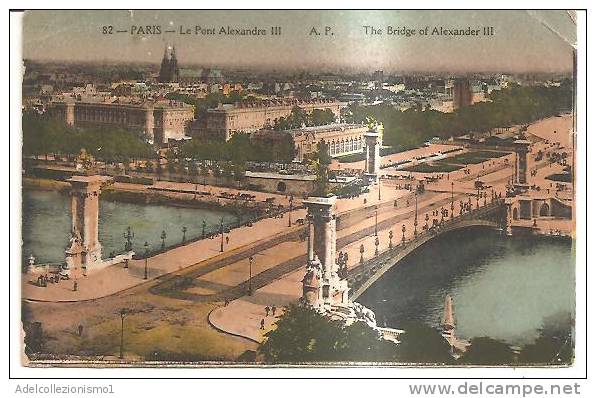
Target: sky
x,y
523,41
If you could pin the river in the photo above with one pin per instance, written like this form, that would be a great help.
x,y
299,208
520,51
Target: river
x,y
47,223
502,287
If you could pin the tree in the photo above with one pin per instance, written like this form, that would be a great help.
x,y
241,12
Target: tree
x,y
422,344
487,351
320,117
303,335
554,345
320,163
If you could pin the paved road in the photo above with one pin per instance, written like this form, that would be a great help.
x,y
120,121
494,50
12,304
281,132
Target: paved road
x,y
175,286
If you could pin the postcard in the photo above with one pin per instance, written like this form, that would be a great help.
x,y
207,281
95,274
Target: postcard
x,y
299,188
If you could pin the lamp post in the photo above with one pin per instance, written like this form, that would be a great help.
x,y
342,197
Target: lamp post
x,y
251,260
376,225
146,246
403,234
379,188
416,214
451,199
221,231
122,315
290,212
184,229
361,253
128,235
163,237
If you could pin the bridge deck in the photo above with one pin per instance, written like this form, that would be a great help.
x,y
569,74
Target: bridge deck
x,y
365,274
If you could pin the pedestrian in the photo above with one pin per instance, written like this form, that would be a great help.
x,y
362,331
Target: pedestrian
x,y
262,324
80,328
267,311
75,286
273,309
227,240
226,302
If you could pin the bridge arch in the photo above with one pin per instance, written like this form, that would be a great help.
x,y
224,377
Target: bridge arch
x,y
362,277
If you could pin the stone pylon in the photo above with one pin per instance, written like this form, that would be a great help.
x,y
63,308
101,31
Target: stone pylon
x,y
84,248
373,157
522,148
322,286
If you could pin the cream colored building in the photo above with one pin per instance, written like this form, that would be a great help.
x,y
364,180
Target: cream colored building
x,y
159,120
227,119
341,139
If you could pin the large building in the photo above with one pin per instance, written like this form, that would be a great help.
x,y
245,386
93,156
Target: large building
x,y
341,139
226,120
169,71
159,121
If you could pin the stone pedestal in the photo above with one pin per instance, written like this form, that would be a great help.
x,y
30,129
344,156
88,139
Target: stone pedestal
x,y
373,158
84,248
322,286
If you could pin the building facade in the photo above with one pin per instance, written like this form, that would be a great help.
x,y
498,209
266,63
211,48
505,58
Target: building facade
x,y
159,121
226,120
341,139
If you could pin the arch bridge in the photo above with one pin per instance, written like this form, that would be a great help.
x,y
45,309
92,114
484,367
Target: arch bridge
x,y
361,277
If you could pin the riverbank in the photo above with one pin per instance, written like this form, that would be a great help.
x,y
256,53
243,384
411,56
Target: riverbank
x,y
141,194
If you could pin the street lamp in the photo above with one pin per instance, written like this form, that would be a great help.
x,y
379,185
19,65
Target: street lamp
x,y
221,231
451,199
250,263
146,246
128,235
376,224
123,313
290,212
184,229
379,188
361,253
416,213
403,234
163,237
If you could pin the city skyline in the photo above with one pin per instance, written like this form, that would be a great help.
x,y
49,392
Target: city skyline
x,y
524,42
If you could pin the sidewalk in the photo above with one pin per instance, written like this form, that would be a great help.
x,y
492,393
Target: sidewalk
x,y
115,278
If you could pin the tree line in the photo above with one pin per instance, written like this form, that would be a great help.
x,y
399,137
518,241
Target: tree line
x,y
241,148
303,335
510,106
299,118
43,136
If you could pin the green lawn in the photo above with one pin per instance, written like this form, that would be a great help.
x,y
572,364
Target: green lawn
x,y
433,168
475,157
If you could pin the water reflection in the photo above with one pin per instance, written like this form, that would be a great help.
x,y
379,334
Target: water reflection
x,y
502,287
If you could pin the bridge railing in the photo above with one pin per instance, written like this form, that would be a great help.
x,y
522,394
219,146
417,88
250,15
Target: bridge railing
x,y
356,276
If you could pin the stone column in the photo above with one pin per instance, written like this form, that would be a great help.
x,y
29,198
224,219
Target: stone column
x,y
322,255
84,247
522,147
373,160
69,116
